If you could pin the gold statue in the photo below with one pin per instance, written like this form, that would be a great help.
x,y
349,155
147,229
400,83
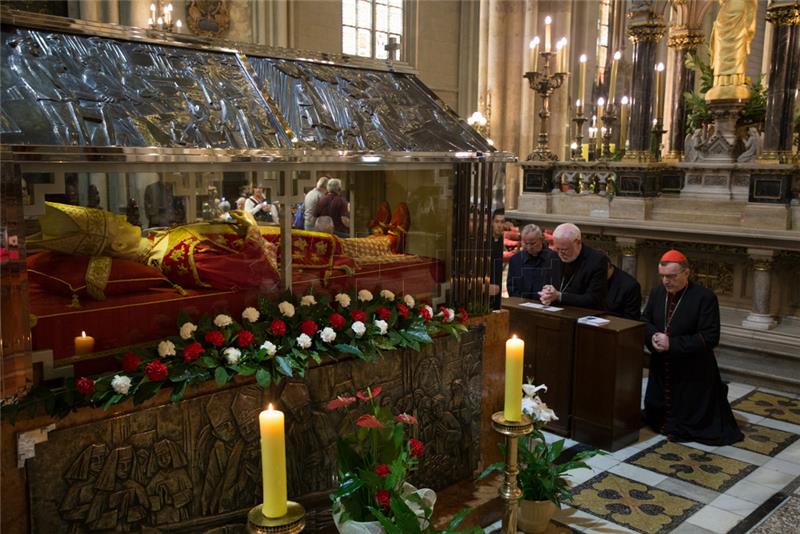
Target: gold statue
x,y
733,31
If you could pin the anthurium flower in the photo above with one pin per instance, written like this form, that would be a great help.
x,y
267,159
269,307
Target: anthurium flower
x,y
340,402
369,394
406,419
369,421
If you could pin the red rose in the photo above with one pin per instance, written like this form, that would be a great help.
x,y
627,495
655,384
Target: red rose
x,y
425,312
277,327
192,351
358,315
215,338
245,338
130,362
308,327
402,309
416,447
464,315
85,385
381,470
383,313
156,371
382,497
337,321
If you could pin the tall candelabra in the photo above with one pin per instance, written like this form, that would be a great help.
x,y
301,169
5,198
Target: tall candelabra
x,y
655,139
609,119
579,119
544,83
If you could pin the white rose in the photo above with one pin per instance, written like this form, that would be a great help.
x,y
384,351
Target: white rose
x,y
409,300
303,341
327,334
388,295
271,348
223,320
121,384
359,328
232,355
251,314
166,348
187,330
286,308
364,295
382,326
343,299
307,300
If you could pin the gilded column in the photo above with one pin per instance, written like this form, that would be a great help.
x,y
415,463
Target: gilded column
x,y
784,75
645,35
682,41
627,246
760,317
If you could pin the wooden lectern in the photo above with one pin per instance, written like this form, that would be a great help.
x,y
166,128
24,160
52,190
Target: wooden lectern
x,y
593,373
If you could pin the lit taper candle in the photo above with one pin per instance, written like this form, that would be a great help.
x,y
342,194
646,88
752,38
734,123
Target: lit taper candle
x,y
515,357
612,88
582,79
623,122
533,63
273,462
547,22
660,91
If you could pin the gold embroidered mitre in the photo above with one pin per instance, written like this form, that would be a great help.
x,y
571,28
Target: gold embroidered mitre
x,y
86,231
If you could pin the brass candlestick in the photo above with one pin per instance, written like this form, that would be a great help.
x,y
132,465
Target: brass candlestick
x,y
655,138
609,119
544,83
293,522
579,119
509,491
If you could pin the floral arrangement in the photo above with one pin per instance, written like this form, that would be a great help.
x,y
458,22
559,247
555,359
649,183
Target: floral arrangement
x,y
273,341
540,477
374,463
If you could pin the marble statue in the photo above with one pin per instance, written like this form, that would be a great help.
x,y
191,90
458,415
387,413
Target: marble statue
x,y
693,145
751,146
731,35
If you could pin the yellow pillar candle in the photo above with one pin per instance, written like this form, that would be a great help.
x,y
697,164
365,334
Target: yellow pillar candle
x,y
623,122
515,357
273,462
660,90
84,344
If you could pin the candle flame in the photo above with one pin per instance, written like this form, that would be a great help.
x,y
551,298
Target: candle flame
x,y
624,100
269,407
617,55
601,101
578,102
583,58
660,67
514,336
83,333
534,41
548,19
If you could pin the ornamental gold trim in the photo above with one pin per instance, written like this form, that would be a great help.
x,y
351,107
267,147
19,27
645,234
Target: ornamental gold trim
x,y
784,15
685,40
648,31
762,264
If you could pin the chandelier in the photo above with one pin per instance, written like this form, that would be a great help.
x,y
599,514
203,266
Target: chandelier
x,y
161,18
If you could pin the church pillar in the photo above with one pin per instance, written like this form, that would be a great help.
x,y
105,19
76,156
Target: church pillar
x,y
645,36
682,41
784,75
627,246
760,318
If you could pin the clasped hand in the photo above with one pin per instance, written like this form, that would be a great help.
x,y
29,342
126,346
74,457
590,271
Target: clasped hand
x,y
549,294
660,342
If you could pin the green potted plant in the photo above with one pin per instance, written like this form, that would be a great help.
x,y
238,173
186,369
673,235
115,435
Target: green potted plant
x,y
374,462
543,482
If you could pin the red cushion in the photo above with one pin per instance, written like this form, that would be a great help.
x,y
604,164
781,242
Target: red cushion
x,y
65,274
512,235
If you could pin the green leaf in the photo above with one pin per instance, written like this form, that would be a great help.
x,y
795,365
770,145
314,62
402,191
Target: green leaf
x,y
263,377
177,392
145,391
349,349
284,367
457,519
495,467
112,400
207,361
221,376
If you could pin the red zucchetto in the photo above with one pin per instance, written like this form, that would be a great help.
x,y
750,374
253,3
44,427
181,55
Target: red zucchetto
x,y
673,256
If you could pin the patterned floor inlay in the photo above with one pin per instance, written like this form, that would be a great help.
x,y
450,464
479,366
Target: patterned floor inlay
x,y
770,405
764,440
705,469
633,504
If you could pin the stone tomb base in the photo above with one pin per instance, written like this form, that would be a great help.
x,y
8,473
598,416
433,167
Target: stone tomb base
x,y
194,466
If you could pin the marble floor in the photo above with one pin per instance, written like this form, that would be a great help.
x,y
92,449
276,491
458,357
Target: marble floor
x,y
654,486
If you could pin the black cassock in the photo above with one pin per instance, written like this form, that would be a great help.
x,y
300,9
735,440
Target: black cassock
x,y
686,399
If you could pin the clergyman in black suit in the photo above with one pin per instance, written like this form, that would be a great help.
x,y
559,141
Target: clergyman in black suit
x,y
624,293
581,279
